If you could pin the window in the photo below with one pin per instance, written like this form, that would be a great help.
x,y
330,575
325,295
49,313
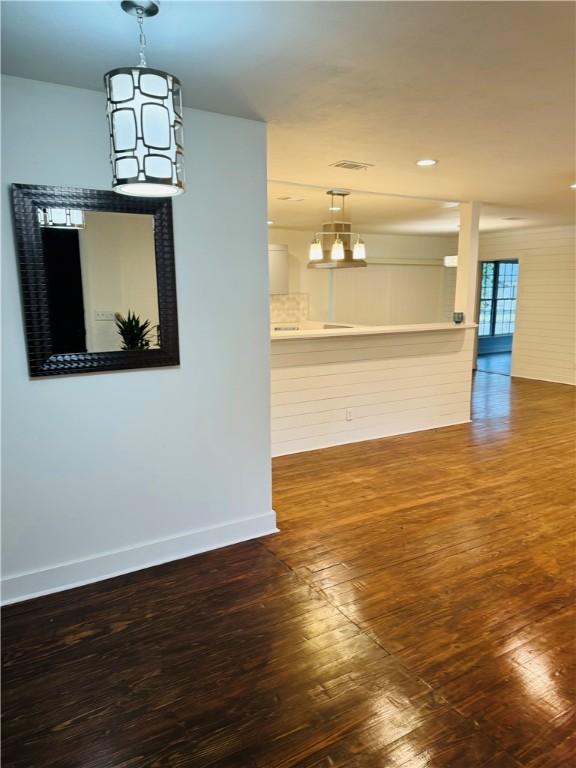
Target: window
x,y
498,298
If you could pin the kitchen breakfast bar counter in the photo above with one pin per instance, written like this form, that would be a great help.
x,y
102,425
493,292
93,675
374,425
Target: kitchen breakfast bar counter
x,y
335,383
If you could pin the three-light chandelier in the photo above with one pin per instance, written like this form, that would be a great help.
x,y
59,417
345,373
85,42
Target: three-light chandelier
x,y
337,246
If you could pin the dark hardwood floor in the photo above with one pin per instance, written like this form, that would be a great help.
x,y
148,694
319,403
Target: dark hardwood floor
x,y
416,610
495,362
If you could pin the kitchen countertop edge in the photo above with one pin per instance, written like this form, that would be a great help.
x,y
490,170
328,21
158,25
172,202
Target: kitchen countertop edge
x,y
368,330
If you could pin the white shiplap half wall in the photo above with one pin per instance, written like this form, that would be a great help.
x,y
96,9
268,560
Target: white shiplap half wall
x,y
342,390
544,340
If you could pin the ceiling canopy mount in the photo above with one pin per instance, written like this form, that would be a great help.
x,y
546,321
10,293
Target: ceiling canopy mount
x,y
141,7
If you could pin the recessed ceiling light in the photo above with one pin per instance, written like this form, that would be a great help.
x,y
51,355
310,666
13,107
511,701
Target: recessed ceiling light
x,y
270,223
573,186
450,205
426,162
334,208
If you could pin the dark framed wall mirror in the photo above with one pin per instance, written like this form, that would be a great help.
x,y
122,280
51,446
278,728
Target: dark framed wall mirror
x,y
98,280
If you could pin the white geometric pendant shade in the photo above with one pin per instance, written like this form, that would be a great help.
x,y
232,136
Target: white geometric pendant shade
x,y
144,109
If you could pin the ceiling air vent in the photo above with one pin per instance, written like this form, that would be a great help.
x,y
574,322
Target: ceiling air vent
x,y
290,199
351,165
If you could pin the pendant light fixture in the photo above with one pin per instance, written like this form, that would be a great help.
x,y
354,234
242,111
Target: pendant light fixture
x,y
316,253
331,248
144,108
337,250
359,252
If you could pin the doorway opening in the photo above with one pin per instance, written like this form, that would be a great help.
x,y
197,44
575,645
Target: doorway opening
x,y
497,319
64,278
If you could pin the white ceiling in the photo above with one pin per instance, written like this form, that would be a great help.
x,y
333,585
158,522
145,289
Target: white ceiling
x,y
487,88
296,206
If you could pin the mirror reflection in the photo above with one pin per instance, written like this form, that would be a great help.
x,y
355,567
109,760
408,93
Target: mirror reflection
x,y
101,278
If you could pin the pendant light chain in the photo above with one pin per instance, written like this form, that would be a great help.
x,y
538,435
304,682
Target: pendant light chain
x,y
141,38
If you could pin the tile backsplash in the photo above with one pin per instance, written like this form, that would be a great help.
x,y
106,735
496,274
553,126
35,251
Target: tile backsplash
x,y
288,308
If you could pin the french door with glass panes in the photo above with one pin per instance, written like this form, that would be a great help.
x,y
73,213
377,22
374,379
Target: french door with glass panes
x,y
498,298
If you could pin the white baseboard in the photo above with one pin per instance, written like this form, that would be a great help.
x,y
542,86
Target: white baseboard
x,y
304,445
547,381
25,586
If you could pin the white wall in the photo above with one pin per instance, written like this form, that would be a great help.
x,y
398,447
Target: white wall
x,y
544,340
391,294
118,274
409,285
109,472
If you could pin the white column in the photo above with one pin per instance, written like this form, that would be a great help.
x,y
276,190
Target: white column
x,y
467,271
331,295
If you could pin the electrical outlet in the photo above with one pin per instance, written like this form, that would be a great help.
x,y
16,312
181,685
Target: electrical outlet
x,y
349,416
102,315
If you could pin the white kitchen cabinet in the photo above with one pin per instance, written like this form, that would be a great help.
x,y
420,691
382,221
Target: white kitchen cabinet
x,y
278,268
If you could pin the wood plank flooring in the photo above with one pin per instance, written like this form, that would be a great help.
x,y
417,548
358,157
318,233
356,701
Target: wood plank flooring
x,y
495,362
415,610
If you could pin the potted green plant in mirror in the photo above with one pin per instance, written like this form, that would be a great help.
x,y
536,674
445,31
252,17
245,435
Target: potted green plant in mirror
x,y
135,334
